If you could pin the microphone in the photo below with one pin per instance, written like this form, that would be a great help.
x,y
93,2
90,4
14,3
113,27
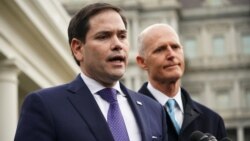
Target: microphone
x,y
198,136
211,137
226,139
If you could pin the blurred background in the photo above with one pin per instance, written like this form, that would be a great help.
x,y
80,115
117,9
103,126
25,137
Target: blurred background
x,y
34,52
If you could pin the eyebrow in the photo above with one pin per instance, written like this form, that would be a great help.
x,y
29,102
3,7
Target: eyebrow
x,y
123,31
109,31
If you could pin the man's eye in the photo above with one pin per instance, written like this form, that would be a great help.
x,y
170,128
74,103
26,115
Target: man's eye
x,y
101,37
160,49
123,36
175,46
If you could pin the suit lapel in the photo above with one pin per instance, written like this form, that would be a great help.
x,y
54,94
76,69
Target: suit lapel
x,y
190,112
189,116
144,90
84,102
139,112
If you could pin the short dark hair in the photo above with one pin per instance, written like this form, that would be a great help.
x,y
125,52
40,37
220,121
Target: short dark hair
x,y
79,24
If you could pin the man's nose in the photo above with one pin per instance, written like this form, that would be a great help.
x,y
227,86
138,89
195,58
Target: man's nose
x,y
170,53
117,43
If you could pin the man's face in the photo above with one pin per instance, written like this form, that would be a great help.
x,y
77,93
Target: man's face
x,y
163,56
105,51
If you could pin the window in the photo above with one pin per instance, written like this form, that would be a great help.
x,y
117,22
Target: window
x,y
215,3
246,133
247,97
246,44
223,99
190,48
232,133
218,46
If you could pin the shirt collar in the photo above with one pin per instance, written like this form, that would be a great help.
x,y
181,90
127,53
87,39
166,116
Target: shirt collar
x,y
95,86
162,98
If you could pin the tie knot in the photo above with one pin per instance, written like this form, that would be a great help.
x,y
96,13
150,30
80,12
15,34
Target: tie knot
x,y
171,104
108,94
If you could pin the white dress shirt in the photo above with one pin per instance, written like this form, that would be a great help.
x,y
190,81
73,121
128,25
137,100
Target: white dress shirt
x,y
128,116
162,99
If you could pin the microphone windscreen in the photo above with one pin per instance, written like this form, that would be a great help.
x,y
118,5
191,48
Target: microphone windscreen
x,y
198,136
211,137
226,139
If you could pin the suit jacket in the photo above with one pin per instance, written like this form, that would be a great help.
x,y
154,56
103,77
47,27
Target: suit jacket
x,y
196,117
69,112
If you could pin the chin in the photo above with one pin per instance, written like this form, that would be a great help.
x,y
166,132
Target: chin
x,y
173,77
116,76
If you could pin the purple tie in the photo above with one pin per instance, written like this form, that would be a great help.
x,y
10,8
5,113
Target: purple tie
x,y
115,119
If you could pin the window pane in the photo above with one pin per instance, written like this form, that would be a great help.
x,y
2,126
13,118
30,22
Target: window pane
x,y
247,97
222,99
232,134
246,44
215,2
246,133
218,46
190,48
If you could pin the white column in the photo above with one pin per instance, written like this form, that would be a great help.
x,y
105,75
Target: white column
x,y
138,82
206,45
134,34
208,95
8,100
240,133
236,97
233,48
128,81
174,22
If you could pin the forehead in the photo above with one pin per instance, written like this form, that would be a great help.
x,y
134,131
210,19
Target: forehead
x,y
106,19
161,35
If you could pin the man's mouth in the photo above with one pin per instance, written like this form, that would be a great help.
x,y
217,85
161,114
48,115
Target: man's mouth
x,y
170,65
117,58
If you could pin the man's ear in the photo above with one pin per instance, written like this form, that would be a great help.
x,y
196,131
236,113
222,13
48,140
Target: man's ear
x,y
141,62
77,49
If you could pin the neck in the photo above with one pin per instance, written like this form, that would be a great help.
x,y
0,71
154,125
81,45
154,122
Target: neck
x,y
170,89
108,84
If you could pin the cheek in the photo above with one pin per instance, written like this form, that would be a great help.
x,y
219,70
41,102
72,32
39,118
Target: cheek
x,y
153,65
126,53
182,59
126,48
183,65
96,52
182,62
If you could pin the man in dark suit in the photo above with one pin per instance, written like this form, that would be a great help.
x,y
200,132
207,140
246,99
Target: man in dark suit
x,y
161,55
95,106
